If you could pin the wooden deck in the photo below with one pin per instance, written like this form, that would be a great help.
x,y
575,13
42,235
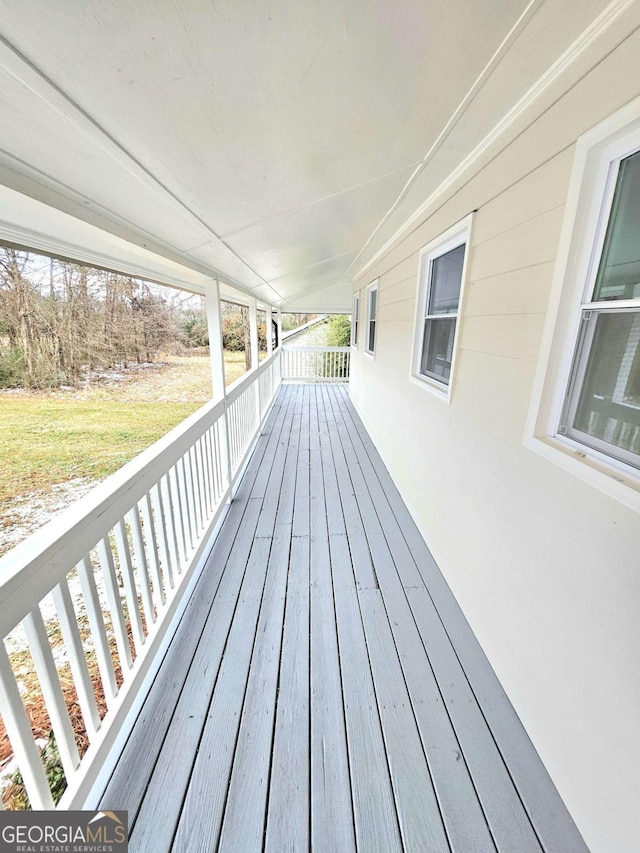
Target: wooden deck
x,y
323,690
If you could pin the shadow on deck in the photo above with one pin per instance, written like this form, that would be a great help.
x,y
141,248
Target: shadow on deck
x,y
323,689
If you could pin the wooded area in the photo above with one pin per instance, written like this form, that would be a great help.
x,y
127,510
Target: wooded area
x,y
62,322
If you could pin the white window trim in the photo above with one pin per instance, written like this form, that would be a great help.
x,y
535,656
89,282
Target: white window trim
x,y
355,321
586,216
457,235
370,289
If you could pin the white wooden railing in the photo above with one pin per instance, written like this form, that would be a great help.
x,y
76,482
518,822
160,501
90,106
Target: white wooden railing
x,y
104,580
315,364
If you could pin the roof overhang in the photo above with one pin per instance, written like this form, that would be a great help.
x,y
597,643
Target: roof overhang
x,y
275,148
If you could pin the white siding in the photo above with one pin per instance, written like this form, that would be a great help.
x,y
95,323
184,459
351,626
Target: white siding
x,y
546,568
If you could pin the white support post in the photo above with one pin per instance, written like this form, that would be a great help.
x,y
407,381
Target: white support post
x,y
253,331
268,312
279,322
216,352
253,337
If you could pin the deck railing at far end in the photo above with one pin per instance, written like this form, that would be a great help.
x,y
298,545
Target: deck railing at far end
x,y
91,597
315,364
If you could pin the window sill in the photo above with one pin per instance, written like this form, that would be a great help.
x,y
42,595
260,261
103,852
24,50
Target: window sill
x,y
442,392
619,483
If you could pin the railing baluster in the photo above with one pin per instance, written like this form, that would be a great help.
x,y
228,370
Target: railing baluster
x,y
234,441
18,728
188,477
77,659
141,562
51,690
158,515
174,490
219,467
207,451
196,467
201,455
115,604
98,631
212,469
170,516
152,552
128,580
313,364
184,505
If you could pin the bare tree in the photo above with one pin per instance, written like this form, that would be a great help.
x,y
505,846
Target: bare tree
x,y
60,321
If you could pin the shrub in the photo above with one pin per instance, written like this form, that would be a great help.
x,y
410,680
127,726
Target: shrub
x,y
339,333
11,368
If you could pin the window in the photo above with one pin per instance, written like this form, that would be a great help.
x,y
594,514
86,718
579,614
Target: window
x,y
355,316
372,311
440,280
602,403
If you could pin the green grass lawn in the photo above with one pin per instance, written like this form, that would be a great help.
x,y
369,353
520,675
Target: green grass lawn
x,y
49,440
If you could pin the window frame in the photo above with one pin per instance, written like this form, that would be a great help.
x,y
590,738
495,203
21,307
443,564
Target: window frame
x,y
587,214
458,235
371,288
355,320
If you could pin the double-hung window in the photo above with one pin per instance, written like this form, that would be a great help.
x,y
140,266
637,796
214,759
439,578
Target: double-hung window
x,y
440,281
602,403
355,318
372,313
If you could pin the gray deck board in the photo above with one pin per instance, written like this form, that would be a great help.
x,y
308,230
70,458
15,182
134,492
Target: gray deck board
x,y
289,785
332,827
245,809
323,690
199,827
373,801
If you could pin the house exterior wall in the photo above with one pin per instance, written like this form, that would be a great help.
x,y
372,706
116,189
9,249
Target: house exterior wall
x,y
545,566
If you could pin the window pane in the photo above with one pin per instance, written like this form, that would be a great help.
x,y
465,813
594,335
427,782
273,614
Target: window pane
x,y
437,348
619,272
609,404
446,277
373,303
372,335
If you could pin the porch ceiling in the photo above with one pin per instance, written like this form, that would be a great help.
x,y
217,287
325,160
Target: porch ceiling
x,y
261,141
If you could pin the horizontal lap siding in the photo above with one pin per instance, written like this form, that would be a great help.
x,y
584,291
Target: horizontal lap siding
x,y
544,566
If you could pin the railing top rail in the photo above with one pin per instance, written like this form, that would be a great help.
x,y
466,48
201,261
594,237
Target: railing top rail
x,y
291,348
305,326
236,388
